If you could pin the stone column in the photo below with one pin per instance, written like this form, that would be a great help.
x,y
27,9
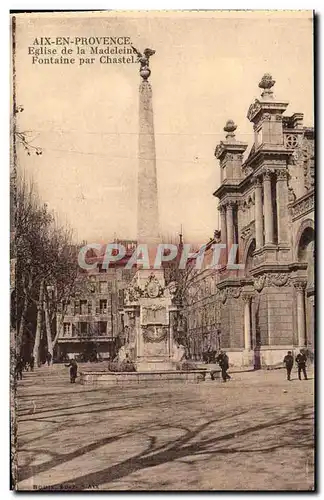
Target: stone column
x,y
258,215
282,208
222,212
147,202
268,209
301,318
229,226
247,322
311,321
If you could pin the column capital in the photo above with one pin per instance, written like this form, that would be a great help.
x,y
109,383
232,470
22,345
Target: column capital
x,y
282,175
240,205
222,208
267,174
257,182
247,296
300,285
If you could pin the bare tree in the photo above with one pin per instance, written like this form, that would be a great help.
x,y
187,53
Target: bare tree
x,y
47,265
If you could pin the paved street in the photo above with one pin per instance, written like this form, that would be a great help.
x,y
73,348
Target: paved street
x,y
254,432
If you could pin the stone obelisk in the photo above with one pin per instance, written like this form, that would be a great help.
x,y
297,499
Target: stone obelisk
x,y
147,299
148,228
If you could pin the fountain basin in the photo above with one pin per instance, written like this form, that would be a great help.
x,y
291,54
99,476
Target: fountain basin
x,y
104,378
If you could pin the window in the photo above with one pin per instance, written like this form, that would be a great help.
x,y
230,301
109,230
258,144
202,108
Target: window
x,y
103,306
74,330
83,328
103,287
120,298
126,274
66,329
66,306
83,307
102,328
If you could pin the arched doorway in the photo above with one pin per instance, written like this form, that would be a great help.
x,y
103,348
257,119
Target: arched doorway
x,y
251,330
249,258
306,255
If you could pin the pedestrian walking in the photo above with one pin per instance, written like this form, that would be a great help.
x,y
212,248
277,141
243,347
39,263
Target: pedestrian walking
x,y
73,370
31,362
48,358
24,364
301,363
19,368
289,362
223,361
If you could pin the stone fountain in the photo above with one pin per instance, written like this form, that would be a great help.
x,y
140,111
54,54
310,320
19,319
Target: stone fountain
x,y
148,301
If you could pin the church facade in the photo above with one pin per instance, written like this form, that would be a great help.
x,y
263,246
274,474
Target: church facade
x,y
266,206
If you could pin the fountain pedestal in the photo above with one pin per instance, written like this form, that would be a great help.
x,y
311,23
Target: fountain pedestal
x,y
148,301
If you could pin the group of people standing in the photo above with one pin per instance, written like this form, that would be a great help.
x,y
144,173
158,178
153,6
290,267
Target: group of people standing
x,y
223,361
28,364
23,364
301,360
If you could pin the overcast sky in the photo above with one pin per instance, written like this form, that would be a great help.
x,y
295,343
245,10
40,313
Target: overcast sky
x,y
85,118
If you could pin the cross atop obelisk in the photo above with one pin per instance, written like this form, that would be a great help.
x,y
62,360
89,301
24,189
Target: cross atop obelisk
x,y
148,227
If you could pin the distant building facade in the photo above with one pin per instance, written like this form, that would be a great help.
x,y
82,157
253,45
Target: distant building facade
x,y
266,206
91,323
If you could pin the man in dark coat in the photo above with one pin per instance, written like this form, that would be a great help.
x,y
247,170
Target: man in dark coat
x,y
222,360
48,358
73,370
289,362
301,363
19,368
31,362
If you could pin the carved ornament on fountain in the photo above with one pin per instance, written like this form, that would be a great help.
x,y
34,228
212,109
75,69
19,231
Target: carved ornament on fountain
x,y
152,289
154,334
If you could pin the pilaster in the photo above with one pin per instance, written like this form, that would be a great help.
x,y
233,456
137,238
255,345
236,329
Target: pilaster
x,y
268,208
258,214
282,206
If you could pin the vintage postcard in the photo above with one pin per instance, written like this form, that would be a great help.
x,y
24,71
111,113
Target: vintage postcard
x,y
162,187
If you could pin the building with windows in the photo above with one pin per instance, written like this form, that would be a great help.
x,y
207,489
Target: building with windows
x,y
91,323
266,206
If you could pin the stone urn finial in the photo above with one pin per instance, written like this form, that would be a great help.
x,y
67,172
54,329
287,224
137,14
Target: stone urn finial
x,y
230,128
266,83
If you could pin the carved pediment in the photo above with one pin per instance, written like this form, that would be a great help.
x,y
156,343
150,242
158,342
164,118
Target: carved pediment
x,y
219,150
152,289
253,109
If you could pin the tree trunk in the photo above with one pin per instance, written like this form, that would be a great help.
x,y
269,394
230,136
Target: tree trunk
x,y
48,331
39,323
59,329
20,333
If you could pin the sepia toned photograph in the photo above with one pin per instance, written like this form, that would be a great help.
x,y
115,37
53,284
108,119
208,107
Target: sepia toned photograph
x,y
162,251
